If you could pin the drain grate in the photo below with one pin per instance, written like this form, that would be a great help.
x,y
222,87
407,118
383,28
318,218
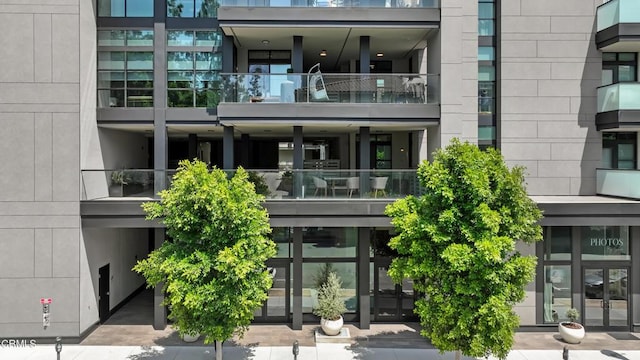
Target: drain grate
x,y
623,336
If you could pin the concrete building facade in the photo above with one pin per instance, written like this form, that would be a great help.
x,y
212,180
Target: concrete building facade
x,y
104,97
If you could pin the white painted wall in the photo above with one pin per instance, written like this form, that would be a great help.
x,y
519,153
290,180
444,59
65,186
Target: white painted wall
x,y
120,248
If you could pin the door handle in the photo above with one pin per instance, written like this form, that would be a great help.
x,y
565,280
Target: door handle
x,y
107,293
601,304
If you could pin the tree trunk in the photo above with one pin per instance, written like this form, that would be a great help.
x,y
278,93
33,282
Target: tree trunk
x,y
218,350
458,353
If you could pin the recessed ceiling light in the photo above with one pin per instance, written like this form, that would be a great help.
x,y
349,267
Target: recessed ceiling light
x,y
265,42
323,53
380,54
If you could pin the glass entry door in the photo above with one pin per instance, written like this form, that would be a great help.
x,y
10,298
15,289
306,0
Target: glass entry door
x,y
606,299
391,301
276,308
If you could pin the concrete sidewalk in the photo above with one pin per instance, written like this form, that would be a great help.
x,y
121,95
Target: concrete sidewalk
x,y
318,352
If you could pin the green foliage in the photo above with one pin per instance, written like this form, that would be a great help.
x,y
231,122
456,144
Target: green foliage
x,y
330,303
573,315
120,177
457,242
259,183
213,270
322,276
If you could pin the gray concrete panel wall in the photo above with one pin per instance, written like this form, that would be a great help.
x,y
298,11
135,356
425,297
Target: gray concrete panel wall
x,y
40,139
456,43
550,71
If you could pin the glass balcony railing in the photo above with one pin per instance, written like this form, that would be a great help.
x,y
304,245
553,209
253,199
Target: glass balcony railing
x,y
334,3
618,11
620,96
273,184
618,182
333,88
99,184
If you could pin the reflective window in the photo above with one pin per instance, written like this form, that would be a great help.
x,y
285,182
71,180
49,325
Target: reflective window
x,y
329,242
619,150
486,53
618,67
125,79
192,8
486,19
557,243
283,238
313,275
125,8
125,38
557,292
605,242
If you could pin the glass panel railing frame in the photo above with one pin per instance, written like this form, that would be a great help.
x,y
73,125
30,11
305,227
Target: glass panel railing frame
x,y
619,96
618,183
616,12
330,88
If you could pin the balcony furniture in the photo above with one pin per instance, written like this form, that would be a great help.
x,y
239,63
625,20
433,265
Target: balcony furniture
x,y
316,89
286,92
378,184
319,184
353,184
337,183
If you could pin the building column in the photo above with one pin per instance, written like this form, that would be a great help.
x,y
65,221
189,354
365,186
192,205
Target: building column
x,y
227,54
365,56
634,277
160,136
298,162
297,61
364,236
159,310
227,148
297,279
365,159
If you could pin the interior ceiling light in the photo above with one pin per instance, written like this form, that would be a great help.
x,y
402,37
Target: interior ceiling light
x,y
323,53
265,42
380,54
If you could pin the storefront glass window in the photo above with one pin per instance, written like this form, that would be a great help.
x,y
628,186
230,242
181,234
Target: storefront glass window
x,y
557,243
557,292
312,275
283,239
605,243
329,242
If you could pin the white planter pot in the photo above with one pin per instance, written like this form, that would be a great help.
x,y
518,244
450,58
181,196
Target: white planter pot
x,y
190,338
331,327
572,336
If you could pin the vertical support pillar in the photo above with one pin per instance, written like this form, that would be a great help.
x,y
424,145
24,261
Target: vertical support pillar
x,y
193,146
364,236
297,279
365,159
297,61
227,54
227,148
160,136
634,279
298,162
576,269
365,56
159,310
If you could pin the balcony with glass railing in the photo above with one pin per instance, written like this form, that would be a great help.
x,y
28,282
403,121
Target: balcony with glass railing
x,y
330,88
333,3
616,12
620,96
275,185
624,183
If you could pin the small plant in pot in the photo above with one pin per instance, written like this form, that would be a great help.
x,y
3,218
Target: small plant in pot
x,y
330,305
571,331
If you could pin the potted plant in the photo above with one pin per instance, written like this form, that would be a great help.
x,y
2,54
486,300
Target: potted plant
x,y
119,179
330,305
571,331
255,83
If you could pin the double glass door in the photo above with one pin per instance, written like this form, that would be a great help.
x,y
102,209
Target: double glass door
x,y
276,308
391,301
606,297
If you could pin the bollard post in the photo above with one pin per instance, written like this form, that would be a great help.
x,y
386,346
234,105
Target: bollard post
x,y
296,350
565,353
58,346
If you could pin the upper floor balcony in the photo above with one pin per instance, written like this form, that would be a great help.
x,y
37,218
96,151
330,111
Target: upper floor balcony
x,y
618,28
308,184
374,98
618,106
618,182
